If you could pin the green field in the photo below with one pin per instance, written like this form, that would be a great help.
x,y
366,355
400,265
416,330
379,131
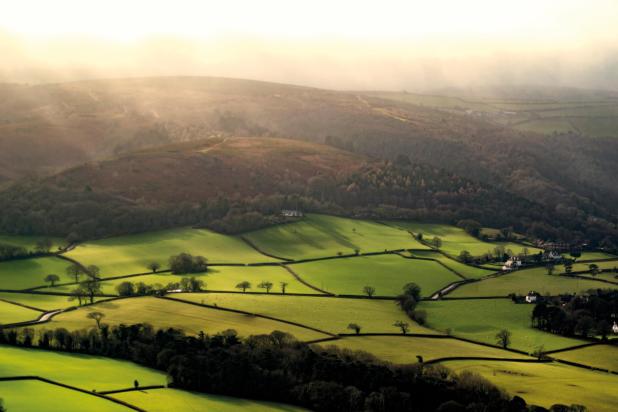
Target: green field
x,y
547,126
387,273
401,349
10,313
32,395
29,242
548,384
324,313
29,273
455,240
610,264
599,356
320,236
222,278
131,254
592,256
471,272
44,302
481,319
524,281
165,400
162,313
83,371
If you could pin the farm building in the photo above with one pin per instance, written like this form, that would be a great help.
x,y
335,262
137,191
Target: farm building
x,y
291,213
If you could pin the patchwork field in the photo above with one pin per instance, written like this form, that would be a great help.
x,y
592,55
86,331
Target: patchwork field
x,y
455,240
471,272
160,400
320,236
401,349
29,242
162,313
387,273
131,254
609,264
324,313
29,273
481,319
546,384
524,281
32,395
599,356
593,256
10,313
224,278
40,301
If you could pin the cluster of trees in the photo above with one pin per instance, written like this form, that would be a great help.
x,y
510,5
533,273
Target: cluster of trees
x,y
276,367
265,284
189,284
586,315
10,252
186,263
407,301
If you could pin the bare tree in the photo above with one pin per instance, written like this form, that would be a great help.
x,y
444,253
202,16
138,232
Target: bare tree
x,y
355,327
283,286
97,317
503,338
404,326
369,290
74,271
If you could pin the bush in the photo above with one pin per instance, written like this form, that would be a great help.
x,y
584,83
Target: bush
x,y
186,263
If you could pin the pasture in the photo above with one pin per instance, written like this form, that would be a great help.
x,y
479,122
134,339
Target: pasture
x,y
592,256
386,273
324,313
40,301
321,236
164,313
32,395
161,400
523,281
29,242
11,313
131,254
599,356
467,271
28,273
82,371
481,319
223,278
402,349
546,384
455,240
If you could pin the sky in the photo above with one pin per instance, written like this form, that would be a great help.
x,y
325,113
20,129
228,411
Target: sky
x,y
387,44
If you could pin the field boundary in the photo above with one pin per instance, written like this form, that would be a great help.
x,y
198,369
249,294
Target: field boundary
x,y
301,280
484,358
74,388
139,388
259,250
22,305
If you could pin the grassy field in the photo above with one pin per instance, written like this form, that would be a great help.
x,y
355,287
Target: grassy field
x,y
39,396
329,314
547,126
222,278
467,271
131,254
29,242
455,240
593,256
548,384
320,235
387,273
599,356
44,302
83,371
161,313
161,400
481,319
524,281
29,273
401,349
10,313
610,264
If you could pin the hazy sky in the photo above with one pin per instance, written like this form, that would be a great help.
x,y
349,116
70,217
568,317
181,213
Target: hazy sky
x,y
338,44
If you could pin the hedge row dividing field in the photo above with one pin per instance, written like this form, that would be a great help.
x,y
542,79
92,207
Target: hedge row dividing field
x,y
30,273
598,356
29,242
11,313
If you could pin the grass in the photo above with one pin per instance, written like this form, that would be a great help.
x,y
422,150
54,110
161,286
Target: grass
x,y
387,273
224,278
547,384
83,371
547,126
161,400
131,254
455,240
471,272
481,319
401,349
161,313
599,356
10,313
524,281
320,236
29,242
329,314
39,301
592,256
610,264
34,395
29,273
